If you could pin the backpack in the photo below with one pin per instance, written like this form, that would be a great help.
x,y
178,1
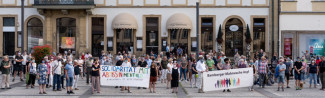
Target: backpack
x,y
277,71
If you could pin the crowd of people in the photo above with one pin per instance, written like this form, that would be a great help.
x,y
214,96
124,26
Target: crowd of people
x,y
168,68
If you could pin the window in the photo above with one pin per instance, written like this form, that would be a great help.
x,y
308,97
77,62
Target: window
x,y
173,34
34,33
127,33
185,34
8,21
210,36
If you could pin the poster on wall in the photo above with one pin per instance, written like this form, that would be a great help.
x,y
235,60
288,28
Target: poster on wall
x,y
227,79
288,46
124,76
67,42
317,46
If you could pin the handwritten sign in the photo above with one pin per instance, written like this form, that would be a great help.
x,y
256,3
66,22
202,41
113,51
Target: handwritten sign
x,y
124,76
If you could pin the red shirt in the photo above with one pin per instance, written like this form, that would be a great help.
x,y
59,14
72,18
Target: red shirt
x,y
317,61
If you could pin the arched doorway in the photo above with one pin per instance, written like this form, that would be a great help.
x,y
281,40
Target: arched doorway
x,y
34,33
234,37
66,30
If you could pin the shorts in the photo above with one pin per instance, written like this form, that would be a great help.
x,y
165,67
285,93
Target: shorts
x,y
169,76
69,81
153,78
287,76
281,79
297,76
18,67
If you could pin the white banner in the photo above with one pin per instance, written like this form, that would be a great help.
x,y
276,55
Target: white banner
x,y
227,79
124,76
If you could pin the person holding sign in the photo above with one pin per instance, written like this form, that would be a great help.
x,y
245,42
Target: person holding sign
x,y
226,66
95,70
126,63
201,67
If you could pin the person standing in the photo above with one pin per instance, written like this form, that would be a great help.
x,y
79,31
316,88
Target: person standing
x,y
24,63
51,71
142,63
226,66
77,73
282,68
153,77
210,64
288,70
57,64
262,70
31,68
321,68
18,68
298,67
126,63
194,74
175,78
5,69
252,65
312,72
164,70
304,70
42,76
95,70
183,69
169,71
201,67
89,64
69,73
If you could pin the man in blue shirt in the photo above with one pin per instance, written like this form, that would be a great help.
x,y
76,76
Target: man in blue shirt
x,y
69,73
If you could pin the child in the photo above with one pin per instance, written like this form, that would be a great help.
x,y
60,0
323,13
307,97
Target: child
x,y
175,78
194,74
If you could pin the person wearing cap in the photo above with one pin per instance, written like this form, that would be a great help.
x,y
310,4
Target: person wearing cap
x,y
201,67
298,67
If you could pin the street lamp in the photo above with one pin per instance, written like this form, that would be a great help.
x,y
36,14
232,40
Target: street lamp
x,y
22,26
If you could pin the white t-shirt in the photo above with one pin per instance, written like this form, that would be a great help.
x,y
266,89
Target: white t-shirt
x,y
169,66
126,64
200,66
57,65
24,59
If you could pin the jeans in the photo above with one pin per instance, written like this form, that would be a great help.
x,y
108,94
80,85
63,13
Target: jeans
x,y
57,81
62,80
312,76
303,77
318,79
182,72
262,77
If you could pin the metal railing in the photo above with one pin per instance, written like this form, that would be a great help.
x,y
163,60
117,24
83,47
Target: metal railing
x,y
63,2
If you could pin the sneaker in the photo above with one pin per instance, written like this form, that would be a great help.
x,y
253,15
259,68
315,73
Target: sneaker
x,y
44,93
2,88
40,93
116,86
288,87
76,89
9,88
21,80
318,84
228,90
68,92
129,91
13,80
71,92
224,90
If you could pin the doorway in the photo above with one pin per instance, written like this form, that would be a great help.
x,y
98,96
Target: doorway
x,y
152,35
234,37
8,43
97,31
207,34
66,30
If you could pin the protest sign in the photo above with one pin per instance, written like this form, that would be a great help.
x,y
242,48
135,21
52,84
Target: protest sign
x,y
227,79
124,76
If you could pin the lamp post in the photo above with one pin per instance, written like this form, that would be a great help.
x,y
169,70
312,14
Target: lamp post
x,y
197,30
22,26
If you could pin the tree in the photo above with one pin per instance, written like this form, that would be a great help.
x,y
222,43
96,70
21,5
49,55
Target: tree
x,y
248,35
220,34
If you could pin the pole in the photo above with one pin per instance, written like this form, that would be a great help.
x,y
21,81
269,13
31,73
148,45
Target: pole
x,y
22,26
279,10
272,28
197,30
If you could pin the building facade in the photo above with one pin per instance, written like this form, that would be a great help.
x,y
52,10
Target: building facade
x,y
137,26
302,27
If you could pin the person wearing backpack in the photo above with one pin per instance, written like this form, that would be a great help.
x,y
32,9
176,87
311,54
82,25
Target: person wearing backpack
x,y
281,70
5,69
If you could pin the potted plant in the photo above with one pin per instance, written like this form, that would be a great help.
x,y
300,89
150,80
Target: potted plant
x,y
220,34
39,52
248,35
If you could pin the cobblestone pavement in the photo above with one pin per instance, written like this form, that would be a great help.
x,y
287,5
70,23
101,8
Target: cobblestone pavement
x,y
185,91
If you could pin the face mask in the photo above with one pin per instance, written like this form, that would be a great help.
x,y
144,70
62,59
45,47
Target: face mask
x,y
52,59
70,62
126,61
19,54
33,61
104,58
43,61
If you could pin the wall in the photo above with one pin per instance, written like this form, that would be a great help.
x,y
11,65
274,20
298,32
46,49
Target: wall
x,y
302,22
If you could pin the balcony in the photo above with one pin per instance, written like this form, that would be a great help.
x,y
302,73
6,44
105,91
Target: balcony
x,y
64,4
